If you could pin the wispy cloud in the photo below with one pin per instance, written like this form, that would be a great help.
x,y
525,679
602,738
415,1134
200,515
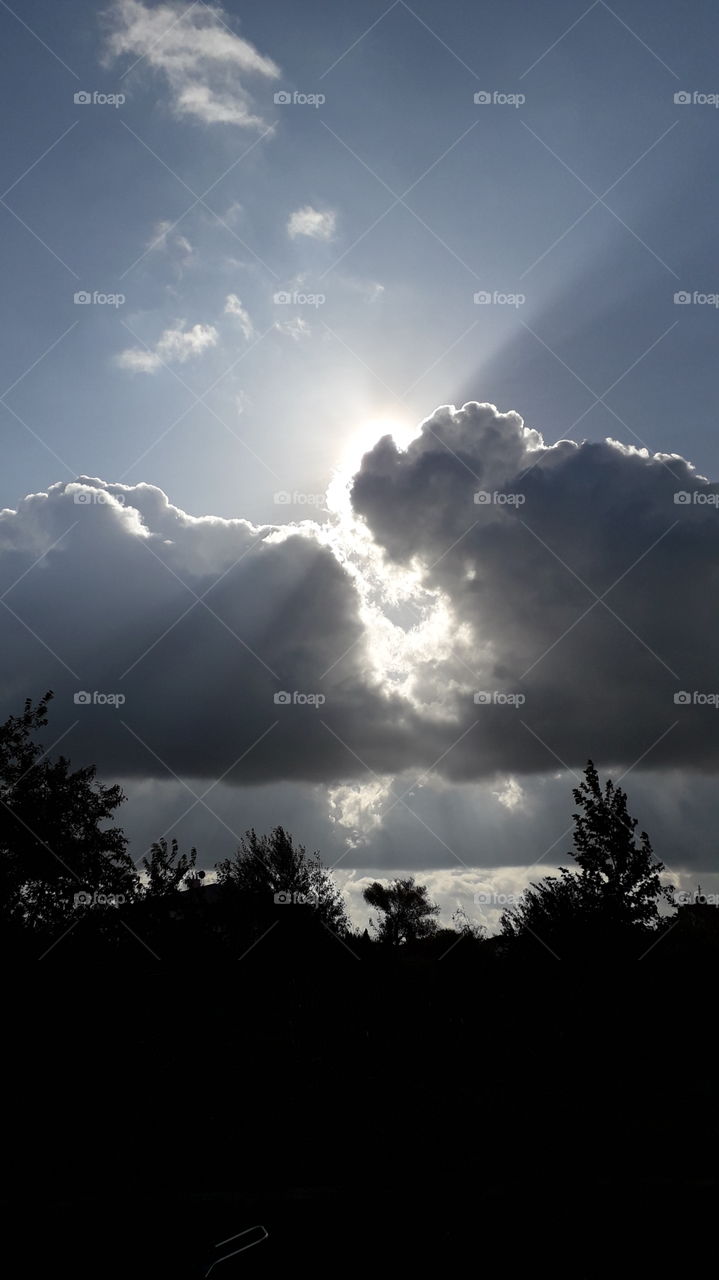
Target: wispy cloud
x,y
233,307
295,329
176,346
201,59
311,222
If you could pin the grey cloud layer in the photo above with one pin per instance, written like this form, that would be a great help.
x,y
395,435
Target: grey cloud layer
x,y
520,570
101,595
112,607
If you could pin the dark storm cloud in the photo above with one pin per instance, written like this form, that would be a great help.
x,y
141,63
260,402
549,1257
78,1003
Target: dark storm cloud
x,y
101,595
554,528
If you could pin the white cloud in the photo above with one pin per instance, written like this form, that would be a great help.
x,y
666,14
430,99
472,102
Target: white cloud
x,y
233,307
511,795
202,60
175,346
163,240
311,222
295,329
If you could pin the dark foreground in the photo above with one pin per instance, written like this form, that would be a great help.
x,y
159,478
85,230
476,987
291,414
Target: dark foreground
x,y
391,1112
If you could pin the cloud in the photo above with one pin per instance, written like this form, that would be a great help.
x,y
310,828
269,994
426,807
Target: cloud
x,y
164,241
233,307
580,599
296,328
198,623
575,581
176,346
202,60
311,222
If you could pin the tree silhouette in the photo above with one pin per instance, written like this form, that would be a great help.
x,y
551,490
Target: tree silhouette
x,y
165,870
273,868
617,888
407,913
56,858
466,927
622,875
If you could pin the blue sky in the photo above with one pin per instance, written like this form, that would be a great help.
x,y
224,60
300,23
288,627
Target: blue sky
x,y
318,235
399,298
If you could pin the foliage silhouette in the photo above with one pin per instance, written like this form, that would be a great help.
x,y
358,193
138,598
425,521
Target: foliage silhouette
x,y
165,870
273,869
407,915
56,858
616,892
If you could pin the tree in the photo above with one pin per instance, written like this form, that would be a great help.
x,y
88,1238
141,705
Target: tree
x,y
165,871
407,913
57,858
467,928
273,868
550,912
621,875
617,887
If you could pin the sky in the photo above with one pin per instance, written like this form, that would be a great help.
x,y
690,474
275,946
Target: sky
x,y
256,259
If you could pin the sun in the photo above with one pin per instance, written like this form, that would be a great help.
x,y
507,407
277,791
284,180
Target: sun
x,y
360,440
365,436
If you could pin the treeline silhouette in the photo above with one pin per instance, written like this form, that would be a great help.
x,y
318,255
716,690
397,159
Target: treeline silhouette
x,y
66,876
186,1060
